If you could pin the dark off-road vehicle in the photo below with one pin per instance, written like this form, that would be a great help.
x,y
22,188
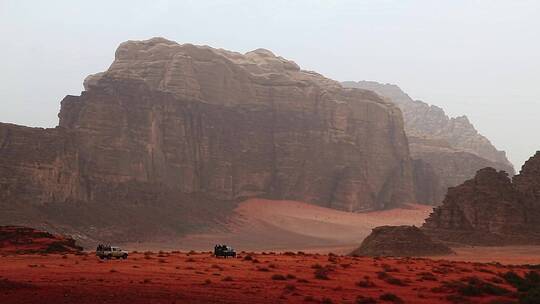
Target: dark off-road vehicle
x,y
224,251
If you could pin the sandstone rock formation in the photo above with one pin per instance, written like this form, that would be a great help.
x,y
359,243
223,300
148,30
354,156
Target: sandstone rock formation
x,y
491,209
171,136
402,241
447,151
17,239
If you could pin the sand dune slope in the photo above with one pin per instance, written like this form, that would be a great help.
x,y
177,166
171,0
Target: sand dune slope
x,y
260,224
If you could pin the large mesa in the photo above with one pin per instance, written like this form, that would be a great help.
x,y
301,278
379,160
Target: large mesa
x,y
171,136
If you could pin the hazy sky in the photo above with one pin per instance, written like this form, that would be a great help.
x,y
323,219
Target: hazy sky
x,y
479,58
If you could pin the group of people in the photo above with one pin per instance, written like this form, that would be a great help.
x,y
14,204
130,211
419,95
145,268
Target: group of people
x,y
220,247
102,247
224,251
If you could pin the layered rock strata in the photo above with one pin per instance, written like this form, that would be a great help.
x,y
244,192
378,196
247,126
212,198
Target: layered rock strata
x,y
170,136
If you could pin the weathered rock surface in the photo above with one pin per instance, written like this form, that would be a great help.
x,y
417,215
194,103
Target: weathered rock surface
x,y
448,150
17,239
491,209
170,136
402,241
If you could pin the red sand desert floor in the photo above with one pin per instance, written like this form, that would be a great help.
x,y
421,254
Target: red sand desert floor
x,y
175,277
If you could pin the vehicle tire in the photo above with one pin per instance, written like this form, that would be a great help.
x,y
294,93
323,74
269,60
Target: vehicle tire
x,y
124,256
109,257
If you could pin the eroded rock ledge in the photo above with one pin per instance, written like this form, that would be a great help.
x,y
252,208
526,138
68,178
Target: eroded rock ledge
x,y
491,209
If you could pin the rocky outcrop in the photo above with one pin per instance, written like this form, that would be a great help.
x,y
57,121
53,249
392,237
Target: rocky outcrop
x,y
171,135
17,239
491,209
449,150
400,241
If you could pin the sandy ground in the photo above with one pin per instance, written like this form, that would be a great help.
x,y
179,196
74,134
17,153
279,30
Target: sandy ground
x,y
175,277
507,255
260,224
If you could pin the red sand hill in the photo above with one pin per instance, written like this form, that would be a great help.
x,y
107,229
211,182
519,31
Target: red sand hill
x,y
17,239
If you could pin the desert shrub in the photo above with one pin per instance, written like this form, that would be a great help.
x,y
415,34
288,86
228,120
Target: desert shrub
x,y
496,280
190,260
207,282
532,296
291,276
113,270
395,281
390,279
326,301
382,275
248,258
457,299
309,299
441,270
272,266
302,281
316,266
365,300
227,279
290,287
473,287
527,286
215,266
388,268
146,281
333,259
263,269
365,283
255,261
390,297
484,270
278,277
162,261
322,273
289,253
345,266
427,276
6,284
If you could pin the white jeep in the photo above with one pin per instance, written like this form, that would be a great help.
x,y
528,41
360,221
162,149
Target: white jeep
x,y
109,252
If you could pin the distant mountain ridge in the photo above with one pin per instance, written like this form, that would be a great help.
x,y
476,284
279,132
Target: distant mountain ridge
x,y
447,150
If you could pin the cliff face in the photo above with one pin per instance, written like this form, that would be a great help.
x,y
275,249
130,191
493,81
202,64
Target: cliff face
x,y
171,135
449,148
491,209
